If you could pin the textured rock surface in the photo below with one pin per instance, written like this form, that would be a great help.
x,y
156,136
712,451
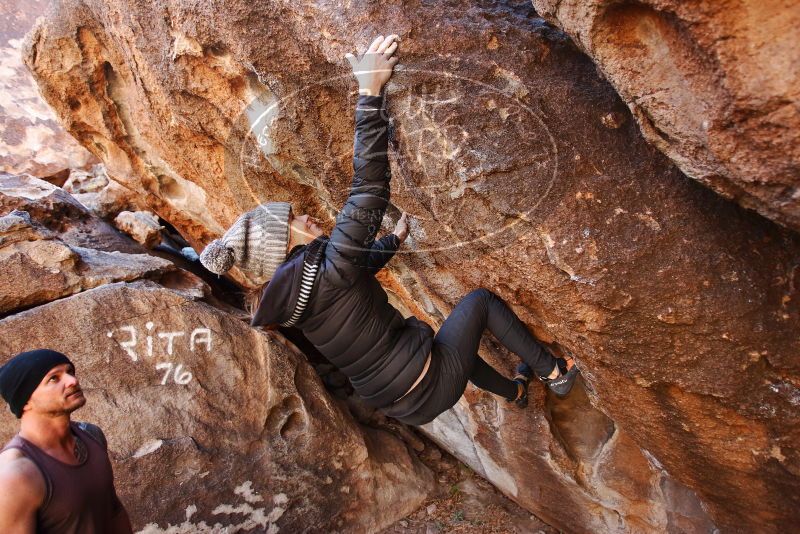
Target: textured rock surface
x,y
31,140
713,84
60,212
102,195
213,425
524,173
142,226
38,267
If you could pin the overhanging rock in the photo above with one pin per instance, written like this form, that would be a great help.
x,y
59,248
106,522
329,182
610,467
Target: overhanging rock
x,y
524,172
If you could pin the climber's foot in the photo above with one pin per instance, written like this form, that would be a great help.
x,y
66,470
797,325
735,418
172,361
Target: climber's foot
x,y
522,378
562,384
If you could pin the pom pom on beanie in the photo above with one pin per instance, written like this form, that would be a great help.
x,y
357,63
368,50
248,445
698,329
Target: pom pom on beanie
x,y
256,243
217,257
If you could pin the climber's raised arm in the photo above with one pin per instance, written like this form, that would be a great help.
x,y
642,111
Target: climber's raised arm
x,y
360,218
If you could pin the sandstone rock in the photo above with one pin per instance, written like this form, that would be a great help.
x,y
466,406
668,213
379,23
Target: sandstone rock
x,y
37,267
58,211
589,474
102,195
142,226
40,266
714,85
523,172
31,140
211,425
18,226
477,503
81,181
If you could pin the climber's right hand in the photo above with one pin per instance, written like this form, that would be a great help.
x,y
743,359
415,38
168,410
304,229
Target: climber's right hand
x,y
374,68
401,228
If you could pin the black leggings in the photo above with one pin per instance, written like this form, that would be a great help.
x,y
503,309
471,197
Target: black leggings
x,y
455,360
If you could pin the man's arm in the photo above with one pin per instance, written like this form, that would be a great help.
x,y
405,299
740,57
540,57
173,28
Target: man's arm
x,y
360,219
22,492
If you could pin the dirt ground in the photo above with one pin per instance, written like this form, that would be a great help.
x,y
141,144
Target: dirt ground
x,y
465,503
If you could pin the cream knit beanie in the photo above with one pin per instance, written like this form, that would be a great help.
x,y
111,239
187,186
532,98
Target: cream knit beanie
x,y
256,243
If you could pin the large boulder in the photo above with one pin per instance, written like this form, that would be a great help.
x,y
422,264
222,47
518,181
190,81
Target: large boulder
x,y
212,425
714,85
524,172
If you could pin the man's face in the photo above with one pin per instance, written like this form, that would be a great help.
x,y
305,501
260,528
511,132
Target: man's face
x,y
59,393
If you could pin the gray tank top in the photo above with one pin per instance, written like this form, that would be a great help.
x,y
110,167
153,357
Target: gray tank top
x,y
80,498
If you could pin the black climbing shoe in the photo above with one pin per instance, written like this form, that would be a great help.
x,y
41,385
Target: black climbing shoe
x,y
562,385
523,377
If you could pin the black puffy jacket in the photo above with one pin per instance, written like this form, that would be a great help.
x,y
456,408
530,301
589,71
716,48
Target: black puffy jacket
x,y
348,317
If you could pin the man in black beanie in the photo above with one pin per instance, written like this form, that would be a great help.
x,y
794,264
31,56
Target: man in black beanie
x,y
55,475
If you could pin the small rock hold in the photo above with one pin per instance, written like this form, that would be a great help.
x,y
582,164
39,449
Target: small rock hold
x,y
141,225
613,120
431,509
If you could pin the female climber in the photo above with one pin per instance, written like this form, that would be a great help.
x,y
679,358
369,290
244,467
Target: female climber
x,y
326,287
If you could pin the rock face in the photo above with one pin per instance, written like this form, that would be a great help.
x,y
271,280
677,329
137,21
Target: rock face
x,y
102,195
714,85
142,226
561,454
525,173
31,140
38,267
211,424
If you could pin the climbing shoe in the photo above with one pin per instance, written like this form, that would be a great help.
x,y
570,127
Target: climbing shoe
x,y
522,378
562,384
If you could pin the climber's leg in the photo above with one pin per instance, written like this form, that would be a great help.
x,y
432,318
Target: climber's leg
x,y
462,331
445,382
455,360
481,309
486,377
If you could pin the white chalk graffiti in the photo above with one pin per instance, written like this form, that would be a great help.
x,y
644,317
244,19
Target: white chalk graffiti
x,y
207,339
250,517
163,343
180,377
130,344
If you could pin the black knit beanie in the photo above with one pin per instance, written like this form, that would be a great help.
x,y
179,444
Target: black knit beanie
x,y
21,375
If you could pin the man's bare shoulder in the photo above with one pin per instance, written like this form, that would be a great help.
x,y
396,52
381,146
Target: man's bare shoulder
x,y
19,473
